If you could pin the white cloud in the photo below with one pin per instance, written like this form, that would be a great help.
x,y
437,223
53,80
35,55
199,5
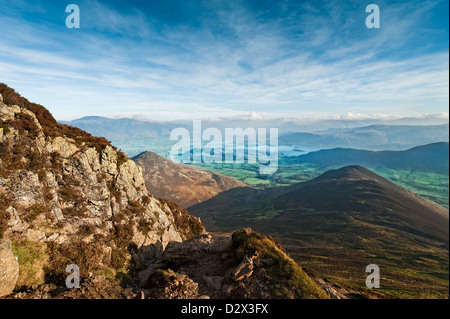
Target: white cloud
x,y
183,72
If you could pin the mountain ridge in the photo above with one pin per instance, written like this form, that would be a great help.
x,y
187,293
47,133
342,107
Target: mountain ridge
x,y
373,137
342,221
182,184
432,157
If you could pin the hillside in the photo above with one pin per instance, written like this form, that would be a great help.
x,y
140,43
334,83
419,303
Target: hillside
x,y
182,184
373,137
427,158
343,220
357,189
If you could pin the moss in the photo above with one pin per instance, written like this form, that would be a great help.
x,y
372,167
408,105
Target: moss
x,y
160,277
124,279
33,258
108,272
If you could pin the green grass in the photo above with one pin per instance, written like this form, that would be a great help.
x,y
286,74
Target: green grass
x,y
32,257
432,186
429,185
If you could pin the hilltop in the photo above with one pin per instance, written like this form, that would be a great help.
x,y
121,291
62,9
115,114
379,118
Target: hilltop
x,y
182,184
343,220
425,158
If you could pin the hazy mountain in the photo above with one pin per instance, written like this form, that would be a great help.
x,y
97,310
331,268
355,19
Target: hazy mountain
x,y
117,129
374,137
427,158
182,184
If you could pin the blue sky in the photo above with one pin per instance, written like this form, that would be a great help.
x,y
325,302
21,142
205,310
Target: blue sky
x,y
201,59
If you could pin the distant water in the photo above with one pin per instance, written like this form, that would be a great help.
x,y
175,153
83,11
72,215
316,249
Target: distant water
x,y
162,147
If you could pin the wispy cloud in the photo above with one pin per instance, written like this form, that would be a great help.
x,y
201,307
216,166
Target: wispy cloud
x,y
228,58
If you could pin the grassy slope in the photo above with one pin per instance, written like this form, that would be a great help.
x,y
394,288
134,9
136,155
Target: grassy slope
x,y
433,186
335,244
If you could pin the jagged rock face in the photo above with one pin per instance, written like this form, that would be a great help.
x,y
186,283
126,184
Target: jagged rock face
x,y
67,192
9,268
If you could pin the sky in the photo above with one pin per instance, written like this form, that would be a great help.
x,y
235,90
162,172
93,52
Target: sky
x,y
183,59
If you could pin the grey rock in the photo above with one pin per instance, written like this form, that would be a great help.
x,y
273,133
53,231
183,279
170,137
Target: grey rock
x,y
243,270
214,282
9,268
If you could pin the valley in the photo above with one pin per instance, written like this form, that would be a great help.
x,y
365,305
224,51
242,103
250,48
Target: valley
x,y
336,244
324,215
343,220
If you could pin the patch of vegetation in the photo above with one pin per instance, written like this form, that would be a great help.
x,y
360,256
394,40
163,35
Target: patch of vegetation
x,y
23,123
87,256
5,202
121,158
187,225
49,125
34,210
124,279
160,277
176,261
122,235
288,278
108,272
114,191
33,258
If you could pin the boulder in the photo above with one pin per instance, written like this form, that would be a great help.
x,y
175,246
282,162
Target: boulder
x,y
9,268
243,270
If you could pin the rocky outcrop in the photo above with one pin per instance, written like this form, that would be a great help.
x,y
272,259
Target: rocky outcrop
x,y
9,268
77,195
93,287
243,270
223,267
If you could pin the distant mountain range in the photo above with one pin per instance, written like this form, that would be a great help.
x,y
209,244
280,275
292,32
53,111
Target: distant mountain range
x,y
427,158
117,129
371,134
182,184
374,137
